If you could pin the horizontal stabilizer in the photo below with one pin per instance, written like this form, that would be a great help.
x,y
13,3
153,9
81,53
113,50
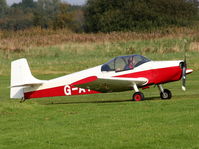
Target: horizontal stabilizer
x,y
28,84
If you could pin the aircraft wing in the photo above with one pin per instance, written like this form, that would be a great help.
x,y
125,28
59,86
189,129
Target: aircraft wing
x,y
110,84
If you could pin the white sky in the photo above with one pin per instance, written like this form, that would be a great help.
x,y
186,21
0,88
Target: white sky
x,y
74,2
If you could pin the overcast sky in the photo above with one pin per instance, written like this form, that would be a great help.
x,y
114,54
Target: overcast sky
x,y
74,2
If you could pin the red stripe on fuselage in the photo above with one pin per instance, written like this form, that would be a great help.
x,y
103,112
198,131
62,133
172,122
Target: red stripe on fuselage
x,y
50,92
67,90
157,76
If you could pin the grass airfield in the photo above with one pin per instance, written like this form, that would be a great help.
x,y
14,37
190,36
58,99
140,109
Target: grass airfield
x,y
103,120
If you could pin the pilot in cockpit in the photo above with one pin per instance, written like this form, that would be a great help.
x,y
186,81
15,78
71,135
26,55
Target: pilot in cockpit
x,y
131,63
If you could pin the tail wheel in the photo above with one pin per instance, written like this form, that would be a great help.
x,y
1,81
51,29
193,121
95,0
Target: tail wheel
x,y
166,94
138,96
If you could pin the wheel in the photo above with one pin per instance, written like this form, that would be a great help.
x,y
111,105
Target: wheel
x,y
166,94
138,96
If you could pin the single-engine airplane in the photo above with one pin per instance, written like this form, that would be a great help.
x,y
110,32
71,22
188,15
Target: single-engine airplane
x,y
122,73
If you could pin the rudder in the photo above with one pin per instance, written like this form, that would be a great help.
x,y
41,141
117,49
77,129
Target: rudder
x,y
21,77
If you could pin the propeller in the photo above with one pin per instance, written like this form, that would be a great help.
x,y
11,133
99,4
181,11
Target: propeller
x,y
184,66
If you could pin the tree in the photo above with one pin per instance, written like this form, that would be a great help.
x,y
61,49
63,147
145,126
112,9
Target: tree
x,y
3,8
28,4
45,12
125,15
63,18
18,16
53,14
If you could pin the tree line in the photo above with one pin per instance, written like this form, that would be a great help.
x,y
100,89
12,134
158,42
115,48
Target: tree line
x,y
42,13
122,15
99,15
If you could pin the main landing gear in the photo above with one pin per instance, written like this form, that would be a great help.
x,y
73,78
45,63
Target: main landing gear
x,y
139,96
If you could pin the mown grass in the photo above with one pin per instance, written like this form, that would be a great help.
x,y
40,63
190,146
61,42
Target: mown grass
x,y
103,120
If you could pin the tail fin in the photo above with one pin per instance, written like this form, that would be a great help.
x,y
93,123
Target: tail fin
x,y
21,77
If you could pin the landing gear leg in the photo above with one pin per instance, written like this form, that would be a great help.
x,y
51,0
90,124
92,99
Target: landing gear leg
x,y
23,99
164,93
137,96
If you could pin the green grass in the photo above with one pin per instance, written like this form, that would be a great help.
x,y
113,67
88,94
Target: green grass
x,y
105,121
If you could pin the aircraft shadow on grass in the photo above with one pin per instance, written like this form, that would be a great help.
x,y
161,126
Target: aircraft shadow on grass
x,y
94,102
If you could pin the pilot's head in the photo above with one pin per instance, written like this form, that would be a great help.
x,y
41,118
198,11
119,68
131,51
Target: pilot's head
x,y
131,60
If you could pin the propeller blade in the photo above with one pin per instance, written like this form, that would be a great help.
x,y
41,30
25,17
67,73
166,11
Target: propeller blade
x,y
183,88
184,75
184,84
184,64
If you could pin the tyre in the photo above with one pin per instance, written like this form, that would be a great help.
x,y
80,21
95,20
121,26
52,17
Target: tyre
x,y
166,94
138,96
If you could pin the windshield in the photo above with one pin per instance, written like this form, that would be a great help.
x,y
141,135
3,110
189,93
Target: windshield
x,y
123,63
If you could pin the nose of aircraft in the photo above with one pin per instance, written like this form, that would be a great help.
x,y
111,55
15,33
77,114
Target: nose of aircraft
x,y
183,66
188,71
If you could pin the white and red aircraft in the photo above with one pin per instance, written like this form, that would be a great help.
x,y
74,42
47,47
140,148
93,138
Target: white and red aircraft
x,y
119,74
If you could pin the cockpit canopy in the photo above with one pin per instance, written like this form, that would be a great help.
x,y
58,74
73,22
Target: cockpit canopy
x,y
123,63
